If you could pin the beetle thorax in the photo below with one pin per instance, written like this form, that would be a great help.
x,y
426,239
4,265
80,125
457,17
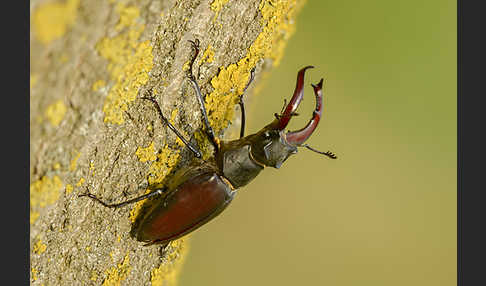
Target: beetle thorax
x,y
238,167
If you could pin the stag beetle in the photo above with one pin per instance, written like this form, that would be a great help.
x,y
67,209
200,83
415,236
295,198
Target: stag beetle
x,y
202,190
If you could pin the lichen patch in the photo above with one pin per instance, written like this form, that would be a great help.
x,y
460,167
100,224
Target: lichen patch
x,y
278,25
147,153
55,112
43,192
167,273
115,275
52,19
129,62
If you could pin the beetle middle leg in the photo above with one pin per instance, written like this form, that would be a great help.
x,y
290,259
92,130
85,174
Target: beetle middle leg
x,y
117,205
191,147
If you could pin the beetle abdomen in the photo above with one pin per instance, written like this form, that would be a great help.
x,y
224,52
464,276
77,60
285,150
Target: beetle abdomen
x,y
192,204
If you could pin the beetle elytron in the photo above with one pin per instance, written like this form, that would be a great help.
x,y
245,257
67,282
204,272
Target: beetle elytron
x,y
202,190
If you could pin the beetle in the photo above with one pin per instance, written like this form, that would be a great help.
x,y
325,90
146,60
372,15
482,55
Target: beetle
x,y
202,190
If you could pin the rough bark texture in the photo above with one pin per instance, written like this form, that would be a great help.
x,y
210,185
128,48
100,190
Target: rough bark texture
x,y
91,61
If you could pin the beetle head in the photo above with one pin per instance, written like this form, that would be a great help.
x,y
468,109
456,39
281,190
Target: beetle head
x,y
269,146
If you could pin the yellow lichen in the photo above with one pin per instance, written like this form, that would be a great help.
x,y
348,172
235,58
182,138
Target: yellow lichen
x,y
63,58
55,112
135,211
205,148
115,275
277,21
80,182
57,166
128,15
186,66
69,188
166,273
74,161
43,192
52,19
216,6
92,168
33,80
146,154
165,161
173,116
129,64
34,273
94,276
98,85
34,216
208,55
39,247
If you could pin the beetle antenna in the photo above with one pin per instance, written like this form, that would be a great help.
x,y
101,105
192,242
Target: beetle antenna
x,y
328,153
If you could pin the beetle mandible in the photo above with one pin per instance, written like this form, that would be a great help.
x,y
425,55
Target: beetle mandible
x,y
202,190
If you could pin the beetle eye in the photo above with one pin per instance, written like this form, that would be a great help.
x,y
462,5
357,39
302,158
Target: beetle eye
x,y
266,135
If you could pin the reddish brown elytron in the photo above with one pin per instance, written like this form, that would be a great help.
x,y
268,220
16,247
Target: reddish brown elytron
x,y
202,190
194,203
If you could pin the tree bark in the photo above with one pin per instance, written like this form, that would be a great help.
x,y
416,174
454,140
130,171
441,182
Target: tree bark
x,y
91,61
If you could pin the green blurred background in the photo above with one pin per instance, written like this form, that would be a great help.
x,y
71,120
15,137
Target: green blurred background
x,y
384,212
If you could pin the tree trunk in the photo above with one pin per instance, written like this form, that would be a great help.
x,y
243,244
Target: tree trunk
x,y
91,61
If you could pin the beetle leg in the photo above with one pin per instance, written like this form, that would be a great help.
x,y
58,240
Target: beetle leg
x,y
242,105
163,249
209,129
134,200
191,147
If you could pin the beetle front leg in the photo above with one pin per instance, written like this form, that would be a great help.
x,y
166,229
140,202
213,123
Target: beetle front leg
x,y
134,200
209,129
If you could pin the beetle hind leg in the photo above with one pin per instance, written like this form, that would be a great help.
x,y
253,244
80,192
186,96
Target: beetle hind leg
x,y
117,205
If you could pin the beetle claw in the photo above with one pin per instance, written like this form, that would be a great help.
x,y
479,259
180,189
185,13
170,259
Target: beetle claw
x,y
195,46
195,43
